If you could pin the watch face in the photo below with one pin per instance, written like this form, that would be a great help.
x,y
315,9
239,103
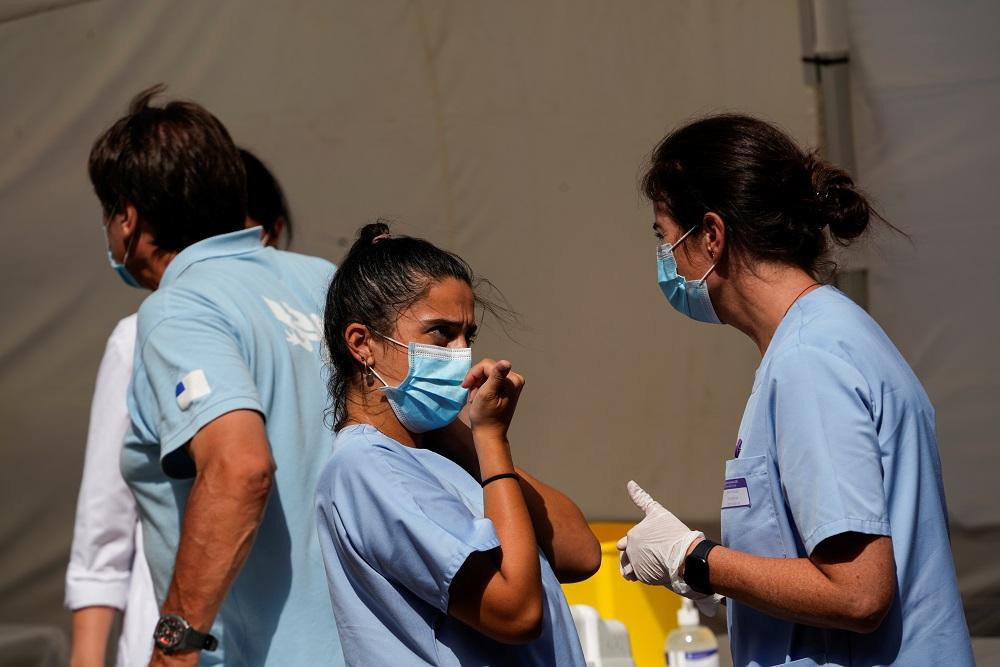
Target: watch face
x,y
169,631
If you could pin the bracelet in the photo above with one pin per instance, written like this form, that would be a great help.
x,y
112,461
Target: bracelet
x,y
503,475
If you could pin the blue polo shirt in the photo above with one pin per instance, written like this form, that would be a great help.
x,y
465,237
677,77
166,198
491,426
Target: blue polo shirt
x,y
838,436
235,325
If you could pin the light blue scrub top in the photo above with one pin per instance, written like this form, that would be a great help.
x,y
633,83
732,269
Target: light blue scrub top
x,y
838,436
396,523
236,326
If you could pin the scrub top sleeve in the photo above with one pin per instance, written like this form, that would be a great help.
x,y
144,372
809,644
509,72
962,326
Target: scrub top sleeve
x,y
196,372
408,526
828,454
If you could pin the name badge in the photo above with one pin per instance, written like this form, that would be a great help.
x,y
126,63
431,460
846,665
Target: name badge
x,y
735,493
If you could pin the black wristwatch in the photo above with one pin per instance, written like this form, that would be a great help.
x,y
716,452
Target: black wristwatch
x,y
174,634
696,567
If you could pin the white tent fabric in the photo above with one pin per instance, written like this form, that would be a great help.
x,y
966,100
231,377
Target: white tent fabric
x,y
512,133
928,78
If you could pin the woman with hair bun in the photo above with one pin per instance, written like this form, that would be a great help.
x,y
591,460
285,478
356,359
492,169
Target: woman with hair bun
x,y
835,543
434,559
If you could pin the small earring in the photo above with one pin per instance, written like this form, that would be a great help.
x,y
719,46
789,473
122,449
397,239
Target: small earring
x,y
369,375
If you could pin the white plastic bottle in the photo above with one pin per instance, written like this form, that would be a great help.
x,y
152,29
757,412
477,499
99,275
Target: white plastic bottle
x,y
692,644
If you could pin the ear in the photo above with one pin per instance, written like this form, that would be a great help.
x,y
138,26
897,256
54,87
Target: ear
x,y
357,339
279,229
128,219
715,235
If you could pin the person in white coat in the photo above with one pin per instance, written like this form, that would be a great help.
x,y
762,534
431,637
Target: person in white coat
x,y
107,568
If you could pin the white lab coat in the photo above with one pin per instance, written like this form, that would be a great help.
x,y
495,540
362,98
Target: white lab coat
x,y
107,566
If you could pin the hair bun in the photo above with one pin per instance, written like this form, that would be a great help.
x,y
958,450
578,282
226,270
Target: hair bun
x,y
838,204
369,235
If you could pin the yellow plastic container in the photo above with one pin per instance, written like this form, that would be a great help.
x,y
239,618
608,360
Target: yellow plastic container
x,y
649,612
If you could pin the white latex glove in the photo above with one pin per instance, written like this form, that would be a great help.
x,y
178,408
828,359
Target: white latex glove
x,y
654,549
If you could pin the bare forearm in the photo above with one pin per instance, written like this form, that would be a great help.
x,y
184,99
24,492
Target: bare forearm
x,y
504,505
561,530
91,626
219,526
797,590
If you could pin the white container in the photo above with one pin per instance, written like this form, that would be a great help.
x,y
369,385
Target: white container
x,y
604,640
691,644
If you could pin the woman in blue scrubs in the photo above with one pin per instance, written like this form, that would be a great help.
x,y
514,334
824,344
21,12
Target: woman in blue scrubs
x,y
438,549
835,543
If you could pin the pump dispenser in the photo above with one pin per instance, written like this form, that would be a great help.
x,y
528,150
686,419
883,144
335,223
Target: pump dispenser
x,y
691,644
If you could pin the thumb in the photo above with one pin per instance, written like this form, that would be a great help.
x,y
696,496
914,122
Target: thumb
x,y
500,370
641,499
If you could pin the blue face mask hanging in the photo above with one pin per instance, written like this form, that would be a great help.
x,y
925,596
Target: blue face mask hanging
x,y
119,267
431,395
689,297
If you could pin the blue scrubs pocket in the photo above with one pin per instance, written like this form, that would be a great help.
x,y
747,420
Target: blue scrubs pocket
x,y
749,518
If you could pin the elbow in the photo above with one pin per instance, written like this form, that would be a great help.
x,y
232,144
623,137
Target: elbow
x,y
252,477
868,610
522,627
586,563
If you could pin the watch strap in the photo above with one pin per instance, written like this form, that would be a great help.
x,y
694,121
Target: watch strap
x,y
696,567
199,641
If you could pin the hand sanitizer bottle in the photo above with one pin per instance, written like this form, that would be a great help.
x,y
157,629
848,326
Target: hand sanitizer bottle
x,y
692,644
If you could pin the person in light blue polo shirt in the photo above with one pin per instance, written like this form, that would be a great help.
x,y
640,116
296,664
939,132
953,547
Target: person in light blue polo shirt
x,y
834,525
227,397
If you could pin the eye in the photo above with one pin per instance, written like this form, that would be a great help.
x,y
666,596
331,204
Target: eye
x,y
440,331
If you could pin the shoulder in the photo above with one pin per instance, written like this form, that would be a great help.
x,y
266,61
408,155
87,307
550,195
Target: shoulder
x,y
316,266
367,463
366,451
828,325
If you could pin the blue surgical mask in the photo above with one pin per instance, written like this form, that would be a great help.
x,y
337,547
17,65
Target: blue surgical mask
x,y
689,297
431,395
119,267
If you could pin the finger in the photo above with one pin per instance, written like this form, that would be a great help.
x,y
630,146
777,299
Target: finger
x,y
622,543
641,499
478,374
497,377
516,379
708,606
500,370
625,567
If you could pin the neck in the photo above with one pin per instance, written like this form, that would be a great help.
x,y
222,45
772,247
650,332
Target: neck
x,y
756,301
148,262
369,406
152,272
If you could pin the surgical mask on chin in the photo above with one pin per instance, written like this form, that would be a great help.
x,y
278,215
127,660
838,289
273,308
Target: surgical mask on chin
x,y
689,297
119,267
431,395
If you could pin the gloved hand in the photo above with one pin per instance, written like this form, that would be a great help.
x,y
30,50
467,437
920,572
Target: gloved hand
x,y
654,549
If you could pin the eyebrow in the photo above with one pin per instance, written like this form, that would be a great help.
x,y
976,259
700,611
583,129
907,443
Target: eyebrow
x,y
452,323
